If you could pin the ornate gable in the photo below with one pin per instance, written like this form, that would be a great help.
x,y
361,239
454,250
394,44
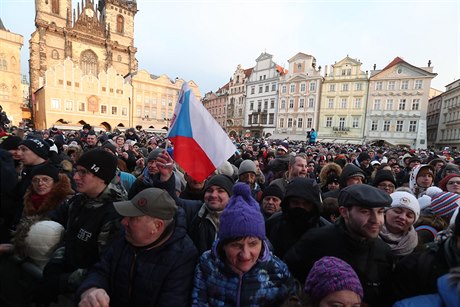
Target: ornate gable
x,y
88,22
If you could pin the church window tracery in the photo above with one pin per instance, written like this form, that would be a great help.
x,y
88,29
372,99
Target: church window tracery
x,y
89,63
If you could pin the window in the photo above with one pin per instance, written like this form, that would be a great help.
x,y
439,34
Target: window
x,y
359,86
252,90
114,110
311,102
344,103
249,119
3,63
374,125
309,122
402,104
281,122
291,103
378,85
283,104
300,123
120,23
377,104
89,63
415,104
103,109
289,123
267,88
404,84
330,103
292,90
302,103
399,125
55,104
412,125
266,104
389,104
418,84
273,87
386,125
284,89
345,87
81,106
342,123
328,121
272,103
357,103
163,102
259,105
355,122
69,105
391,85
331,87
271,118
55,54
54,6
302,87
260,88
124,111
312,86
138,111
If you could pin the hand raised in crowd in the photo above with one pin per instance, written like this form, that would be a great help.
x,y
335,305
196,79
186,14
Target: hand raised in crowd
x,y
94,297
165,165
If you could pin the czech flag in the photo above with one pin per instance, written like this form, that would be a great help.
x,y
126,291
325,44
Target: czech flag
x,y
200,143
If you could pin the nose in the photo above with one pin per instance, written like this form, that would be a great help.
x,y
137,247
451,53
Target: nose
x,y
244,253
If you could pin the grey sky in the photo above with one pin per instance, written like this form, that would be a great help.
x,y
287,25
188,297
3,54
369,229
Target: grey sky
x,y
205,40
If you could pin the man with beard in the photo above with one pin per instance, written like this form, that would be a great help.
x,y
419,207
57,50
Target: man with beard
x,y
354,238
247,174
297,168
300,212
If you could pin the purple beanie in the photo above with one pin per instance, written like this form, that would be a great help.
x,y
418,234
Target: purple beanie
x,y
329,275
241,216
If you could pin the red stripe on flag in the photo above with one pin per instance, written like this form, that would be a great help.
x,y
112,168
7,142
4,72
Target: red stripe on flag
x,y
191,157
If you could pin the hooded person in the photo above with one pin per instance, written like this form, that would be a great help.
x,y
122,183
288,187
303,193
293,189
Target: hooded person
x,y
351,174
241,255
300,212
421,178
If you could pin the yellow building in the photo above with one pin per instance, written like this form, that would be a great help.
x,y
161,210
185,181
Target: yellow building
x,y
10,74
70,99
154,99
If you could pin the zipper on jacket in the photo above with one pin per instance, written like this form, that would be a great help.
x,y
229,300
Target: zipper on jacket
x,y
131,272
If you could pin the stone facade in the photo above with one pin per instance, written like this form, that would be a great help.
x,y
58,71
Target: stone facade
x,y
432,119
154,99
236,101
94,38
343,103
216,104
449,118
10,74
397,104
298,100
70,99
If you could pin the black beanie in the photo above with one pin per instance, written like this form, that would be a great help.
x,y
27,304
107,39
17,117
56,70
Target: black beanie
x,y
11,142
273,190
100,163
46,169
223,181
383,175
39,147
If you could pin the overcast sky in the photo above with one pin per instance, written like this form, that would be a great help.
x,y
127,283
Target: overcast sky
x,y
204,40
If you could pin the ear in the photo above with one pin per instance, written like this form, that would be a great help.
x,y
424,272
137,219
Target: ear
x,y
343,212
159,224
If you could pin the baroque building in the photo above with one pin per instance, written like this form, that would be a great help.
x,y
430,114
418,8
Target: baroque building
x,y
262,97
10,75
216,104
343,103
236,101
397,104
154,99
299,96
449,118
93,37
432,120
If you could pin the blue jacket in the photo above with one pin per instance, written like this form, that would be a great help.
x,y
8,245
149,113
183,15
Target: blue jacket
x,y
160,276
447,296
268,283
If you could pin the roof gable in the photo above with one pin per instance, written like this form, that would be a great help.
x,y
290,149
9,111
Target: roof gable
x,y
400,68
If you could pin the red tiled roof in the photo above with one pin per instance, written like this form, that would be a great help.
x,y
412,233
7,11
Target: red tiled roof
x,y
248,72
397,60
281,70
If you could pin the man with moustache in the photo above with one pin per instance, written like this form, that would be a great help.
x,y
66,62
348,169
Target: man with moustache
x,y
354,239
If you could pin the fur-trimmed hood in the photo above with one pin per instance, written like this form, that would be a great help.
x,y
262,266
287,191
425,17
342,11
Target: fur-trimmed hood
x,y
60,192
328,168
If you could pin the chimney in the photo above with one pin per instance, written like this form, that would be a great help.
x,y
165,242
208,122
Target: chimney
x,y
429,63
375,66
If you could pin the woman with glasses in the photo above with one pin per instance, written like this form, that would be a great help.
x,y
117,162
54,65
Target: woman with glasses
x,y
398,230
385,180
451,183
35,234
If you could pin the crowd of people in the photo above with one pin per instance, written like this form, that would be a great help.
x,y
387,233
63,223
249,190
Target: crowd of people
x,y
98,219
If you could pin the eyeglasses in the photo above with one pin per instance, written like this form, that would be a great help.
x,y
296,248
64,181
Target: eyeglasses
x,y
45,180
386,186
453,182
81,172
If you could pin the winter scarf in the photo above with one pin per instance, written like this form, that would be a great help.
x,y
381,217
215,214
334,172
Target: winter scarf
x,y
401,245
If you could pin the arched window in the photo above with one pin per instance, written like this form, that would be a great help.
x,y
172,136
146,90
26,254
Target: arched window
x,y
89,63
120,24
55,6
55,54
3,63
4,93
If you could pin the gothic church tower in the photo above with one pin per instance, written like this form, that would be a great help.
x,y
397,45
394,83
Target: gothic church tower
x,y
94,36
